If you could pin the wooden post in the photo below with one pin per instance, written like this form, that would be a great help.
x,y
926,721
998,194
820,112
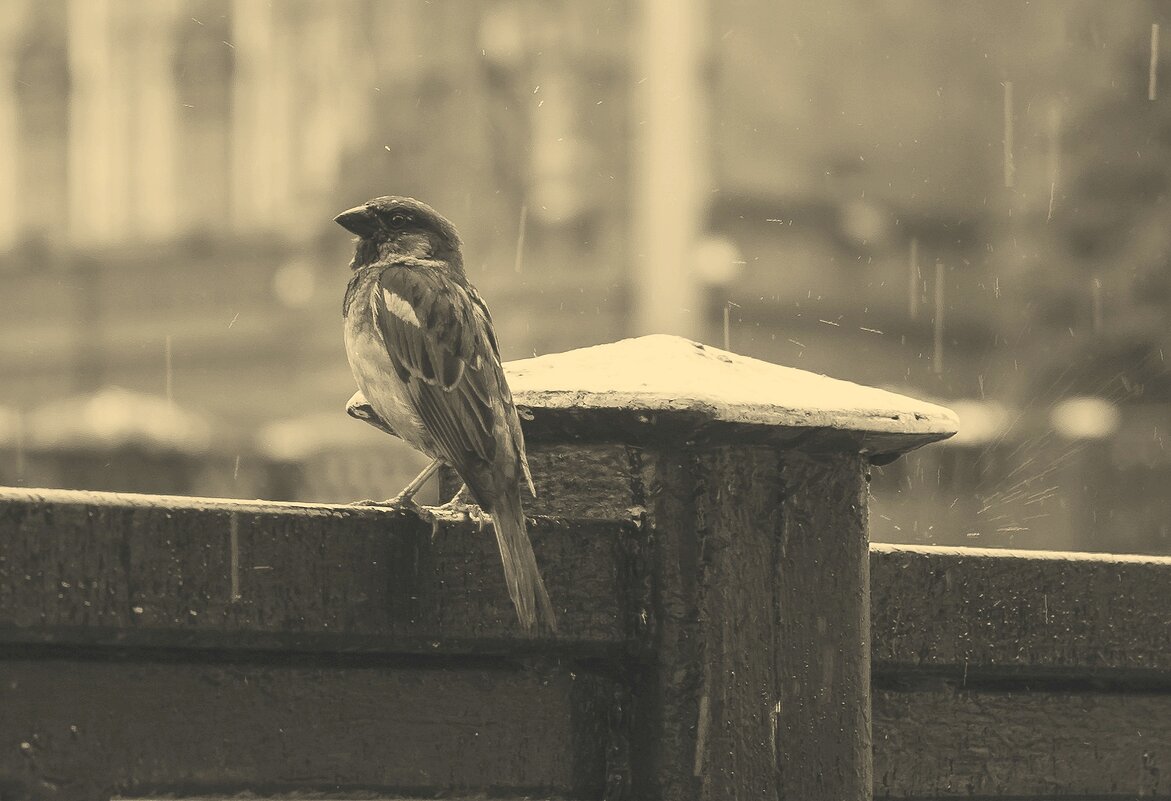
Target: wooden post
x,y
750,481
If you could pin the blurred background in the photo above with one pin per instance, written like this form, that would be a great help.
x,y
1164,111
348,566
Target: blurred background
x,y
962,202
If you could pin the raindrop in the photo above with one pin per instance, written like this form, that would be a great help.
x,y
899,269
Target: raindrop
x,y
234,555
19,445
1054,149
937,359
167,368
1152,82
915,277
1096,292
520,238
728,324
1009,165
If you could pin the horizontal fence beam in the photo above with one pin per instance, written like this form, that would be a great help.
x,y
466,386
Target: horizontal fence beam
x,y
86,568
89,568
948,740
92,728
988,613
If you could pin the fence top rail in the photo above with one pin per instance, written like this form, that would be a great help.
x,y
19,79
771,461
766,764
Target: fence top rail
x,y
164,572
98,499
1001,614
963,552
115,569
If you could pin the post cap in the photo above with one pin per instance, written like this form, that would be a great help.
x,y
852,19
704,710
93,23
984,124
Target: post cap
x,y
651,386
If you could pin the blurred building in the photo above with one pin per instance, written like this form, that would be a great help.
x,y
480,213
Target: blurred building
x,y
176,167
885,192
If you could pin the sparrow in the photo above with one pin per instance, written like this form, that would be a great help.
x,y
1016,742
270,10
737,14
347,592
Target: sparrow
x,y
420,344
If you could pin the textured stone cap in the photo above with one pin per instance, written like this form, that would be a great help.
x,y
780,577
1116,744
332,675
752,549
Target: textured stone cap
x,y
631,387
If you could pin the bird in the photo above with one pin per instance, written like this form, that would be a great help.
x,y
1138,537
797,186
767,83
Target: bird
x,y
420,343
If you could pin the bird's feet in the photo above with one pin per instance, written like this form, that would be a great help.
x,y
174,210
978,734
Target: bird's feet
x,y
457,507
399,501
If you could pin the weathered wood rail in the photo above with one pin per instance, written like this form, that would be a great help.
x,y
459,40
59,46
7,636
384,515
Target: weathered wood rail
x,y
1026,674
725,632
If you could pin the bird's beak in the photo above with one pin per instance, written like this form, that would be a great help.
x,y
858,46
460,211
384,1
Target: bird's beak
x,y
357,220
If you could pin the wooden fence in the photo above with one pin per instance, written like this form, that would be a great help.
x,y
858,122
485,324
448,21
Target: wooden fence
x,y
725,633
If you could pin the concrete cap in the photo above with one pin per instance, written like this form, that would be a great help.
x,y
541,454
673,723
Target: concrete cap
x,y
628,388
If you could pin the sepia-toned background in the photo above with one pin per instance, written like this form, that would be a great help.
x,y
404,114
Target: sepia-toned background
x,y
962,202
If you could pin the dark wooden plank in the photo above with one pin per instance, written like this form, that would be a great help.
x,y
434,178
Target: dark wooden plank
x,y
823,717
759,682
1020,612
93,729
71,570
739,528
667,687
583,480
951,742
81,567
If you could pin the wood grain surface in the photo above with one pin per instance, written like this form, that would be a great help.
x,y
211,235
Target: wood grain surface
x,y
100,568
1038,742
92,729
1021,613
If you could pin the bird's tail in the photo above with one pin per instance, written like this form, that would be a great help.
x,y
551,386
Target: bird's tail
x,y
525,585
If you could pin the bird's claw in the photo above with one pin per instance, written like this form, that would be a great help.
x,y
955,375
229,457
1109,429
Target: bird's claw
x,y
457,507
397,502
453,508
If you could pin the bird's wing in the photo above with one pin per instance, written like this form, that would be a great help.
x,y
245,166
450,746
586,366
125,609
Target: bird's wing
x,y
443,352
511,418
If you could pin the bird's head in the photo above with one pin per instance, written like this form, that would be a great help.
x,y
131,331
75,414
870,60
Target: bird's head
x,y
392,226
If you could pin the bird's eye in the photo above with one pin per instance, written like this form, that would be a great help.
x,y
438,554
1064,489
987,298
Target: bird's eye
x,y
398,219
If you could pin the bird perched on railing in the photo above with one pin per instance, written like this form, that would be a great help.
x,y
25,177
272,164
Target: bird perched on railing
x,y
421,346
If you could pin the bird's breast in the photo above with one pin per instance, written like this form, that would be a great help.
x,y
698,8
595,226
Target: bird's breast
x,y
376,377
